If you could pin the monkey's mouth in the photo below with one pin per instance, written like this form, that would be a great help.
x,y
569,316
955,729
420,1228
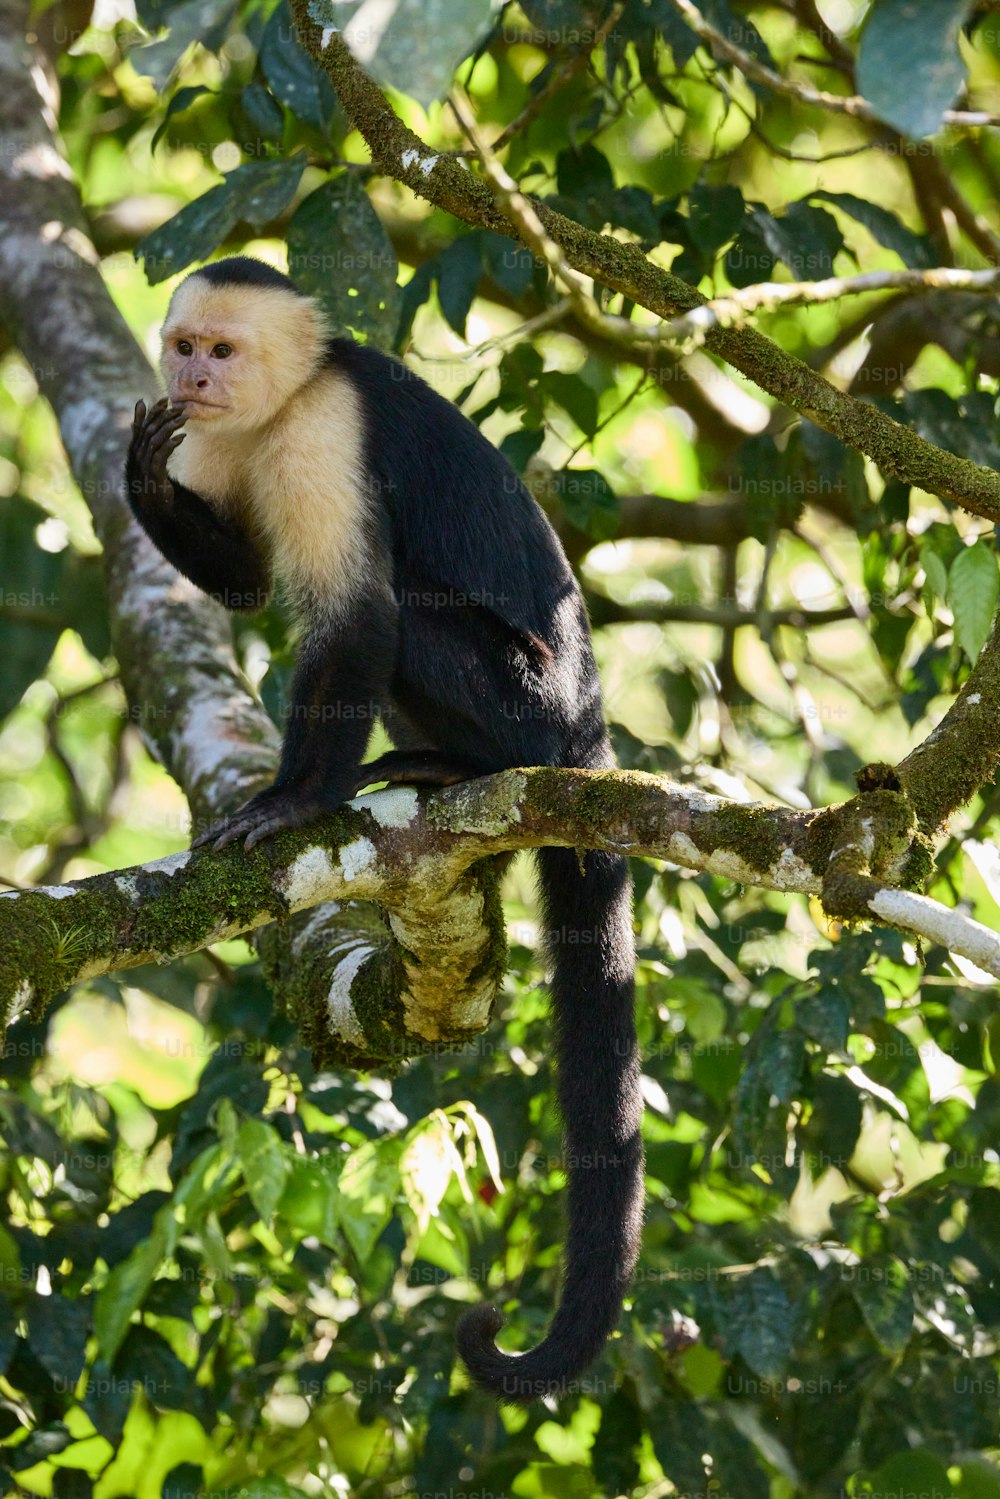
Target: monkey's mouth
x,y
194,404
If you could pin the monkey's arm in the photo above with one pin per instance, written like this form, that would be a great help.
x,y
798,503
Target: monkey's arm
x,y
213,552
341,684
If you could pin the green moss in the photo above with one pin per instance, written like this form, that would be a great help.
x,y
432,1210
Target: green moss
x,y
131,916
822,836
378,985
180,911
846,895
751,832
496,806
493,964
46,941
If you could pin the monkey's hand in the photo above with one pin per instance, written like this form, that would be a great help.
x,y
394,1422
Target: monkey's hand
x,y
268,812
155,435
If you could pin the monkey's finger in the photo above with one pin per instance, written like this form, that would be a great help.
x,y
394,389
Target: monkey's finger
x,y
261,831
139,415
158,438
221,834
161,419
228,836
208,836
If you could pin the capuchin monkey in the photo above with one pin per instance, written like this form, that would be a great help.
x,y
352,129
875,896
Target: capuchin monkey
x,y
425,580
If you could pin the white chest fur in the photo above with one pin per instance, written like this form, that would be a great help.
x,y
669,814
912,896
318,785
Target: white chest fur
x,y
298,483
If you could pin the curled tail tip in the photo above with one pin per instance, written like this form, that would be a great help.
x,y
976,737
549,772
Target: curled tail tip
x,y
476,1331
512,1378
476,1334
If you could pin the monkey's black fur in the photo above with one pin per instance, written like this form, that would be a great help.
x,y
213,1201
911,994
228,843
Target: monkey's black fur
x,y
470,633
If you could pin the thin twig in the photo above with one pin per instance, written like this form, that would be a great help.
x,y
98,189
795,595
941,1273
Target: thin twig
x,y
757,72
573,65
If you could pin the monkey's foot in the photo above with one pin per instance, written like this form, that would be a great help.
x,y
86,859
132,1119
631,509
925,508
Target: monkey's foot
x,y
268,812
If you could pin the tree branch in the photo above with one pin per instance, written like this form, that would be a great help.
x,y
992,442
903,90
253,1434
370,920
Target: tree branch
x,y
446,181
805,93
420,857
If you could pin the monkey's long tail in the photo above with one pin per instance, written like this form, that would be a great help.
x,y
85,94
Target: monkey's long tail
x,y
591,950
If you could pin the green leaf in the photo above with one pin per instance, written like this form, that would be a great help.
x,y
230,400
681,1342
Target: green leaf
x,y
510,265
588,500
195,21
575,396
880,1286
309,1201
190,235
181,100
254,194
459,269
770,1079
414,46
980,1480
914,250
521,446
146,1359
973,590
681,1439
833,1130
11,1273
29,600
339,252
428,1162
263,111
47,1441
805,239
265,1165
369,1186
186,1481
966,427
125,1289
205,1184
704,1015
8,1334
58,1328
759,1323
557,20
715,213
586,186
613,1457
937,573
86,601
824,1018
294,78
71,1483
911,1473
909,65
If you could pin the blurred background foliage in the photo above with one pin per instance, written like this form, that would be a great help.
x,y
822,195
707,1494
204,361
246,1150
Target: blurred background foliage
x,y
223,1273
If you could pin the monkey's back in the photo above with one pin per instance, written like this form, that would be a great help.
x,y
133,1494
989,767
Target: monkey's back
x,y
476,562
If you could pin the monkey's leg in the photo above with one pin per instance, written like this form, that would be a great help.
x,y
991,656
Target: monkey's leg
x,y
341,683
402,767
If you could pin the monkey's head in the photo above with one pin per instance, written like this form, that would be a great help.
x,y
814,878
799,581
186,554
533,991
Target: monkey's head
x,y
238,342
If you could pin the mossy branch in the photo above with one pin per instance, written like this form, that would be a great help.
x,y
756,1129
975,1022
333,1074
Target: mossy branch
x,y
963,752
430,975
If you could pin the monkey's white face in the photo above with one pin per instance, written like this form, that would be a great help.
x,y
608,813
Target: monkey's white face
x,y
202,374
234,355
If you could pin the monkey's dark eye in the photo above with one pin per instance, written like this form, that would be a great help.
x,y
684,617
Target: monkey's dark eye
x,y
222,351
183,347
